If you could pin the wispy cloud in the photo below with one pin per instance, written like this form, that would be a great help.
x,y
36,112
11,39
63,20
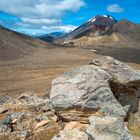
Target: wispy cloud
x,y
35,30
41,21
63,28
115,8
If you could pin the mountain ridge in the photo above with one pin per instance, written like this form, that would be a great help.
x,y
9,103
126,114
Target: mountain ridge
x,y
102,29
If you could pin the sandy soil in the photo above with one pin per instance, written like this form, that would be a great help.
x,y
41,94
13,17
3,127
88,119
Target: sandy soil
x,y
36,72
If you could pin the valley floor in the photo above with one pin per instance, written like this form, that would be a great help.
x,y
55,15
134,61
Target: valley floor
x,y
36,72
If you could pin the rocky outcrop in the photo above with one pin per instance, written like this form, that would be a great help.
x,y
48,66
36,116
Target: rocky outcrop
x,y
28,117
83,92
107,89
91,102
90,89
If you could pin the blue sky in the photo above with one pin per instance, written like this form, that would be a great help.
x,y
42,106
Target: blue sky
x,y
35,17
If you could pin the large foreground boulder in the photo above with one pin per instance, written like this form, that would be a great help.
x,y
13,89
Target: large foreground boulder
x,y
90,89
106,89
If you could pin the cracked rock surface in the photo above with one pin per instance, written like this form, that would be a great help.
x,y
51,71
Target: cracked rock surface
x,y
105,88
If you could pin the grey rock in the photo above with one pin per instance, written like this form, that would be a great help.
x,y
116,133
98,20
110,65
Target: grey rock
x,y
34,103
73,134
5,129
108,128
47,106
83,91
18,115
89,89
6,125
121,72
6,121
107,89
31,99
125,82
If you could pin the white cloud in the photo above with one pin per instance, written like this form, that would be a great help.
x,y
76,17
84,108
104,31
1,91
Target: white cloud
x,y
115,8
39,16
40,11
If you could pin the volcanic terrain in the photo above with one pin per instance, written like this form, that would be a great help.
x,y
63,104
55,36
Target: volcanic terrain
x,y
28,65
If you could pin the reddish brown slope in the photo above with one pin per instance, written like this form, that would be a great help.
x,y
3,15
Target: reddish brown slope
x,y
128,30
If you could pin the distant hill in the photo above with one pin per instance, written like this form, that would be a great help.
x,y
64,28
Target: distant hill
x,y
14,45
51,36
128,30
46,37
102,29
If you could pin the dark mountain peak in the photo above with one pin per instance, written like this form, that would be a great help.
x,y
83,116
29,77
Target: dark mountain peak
x,y
103,20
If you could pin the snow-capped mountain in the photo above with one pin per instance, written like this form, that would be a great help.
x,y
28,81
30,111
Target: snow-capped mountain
x,y
96,26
